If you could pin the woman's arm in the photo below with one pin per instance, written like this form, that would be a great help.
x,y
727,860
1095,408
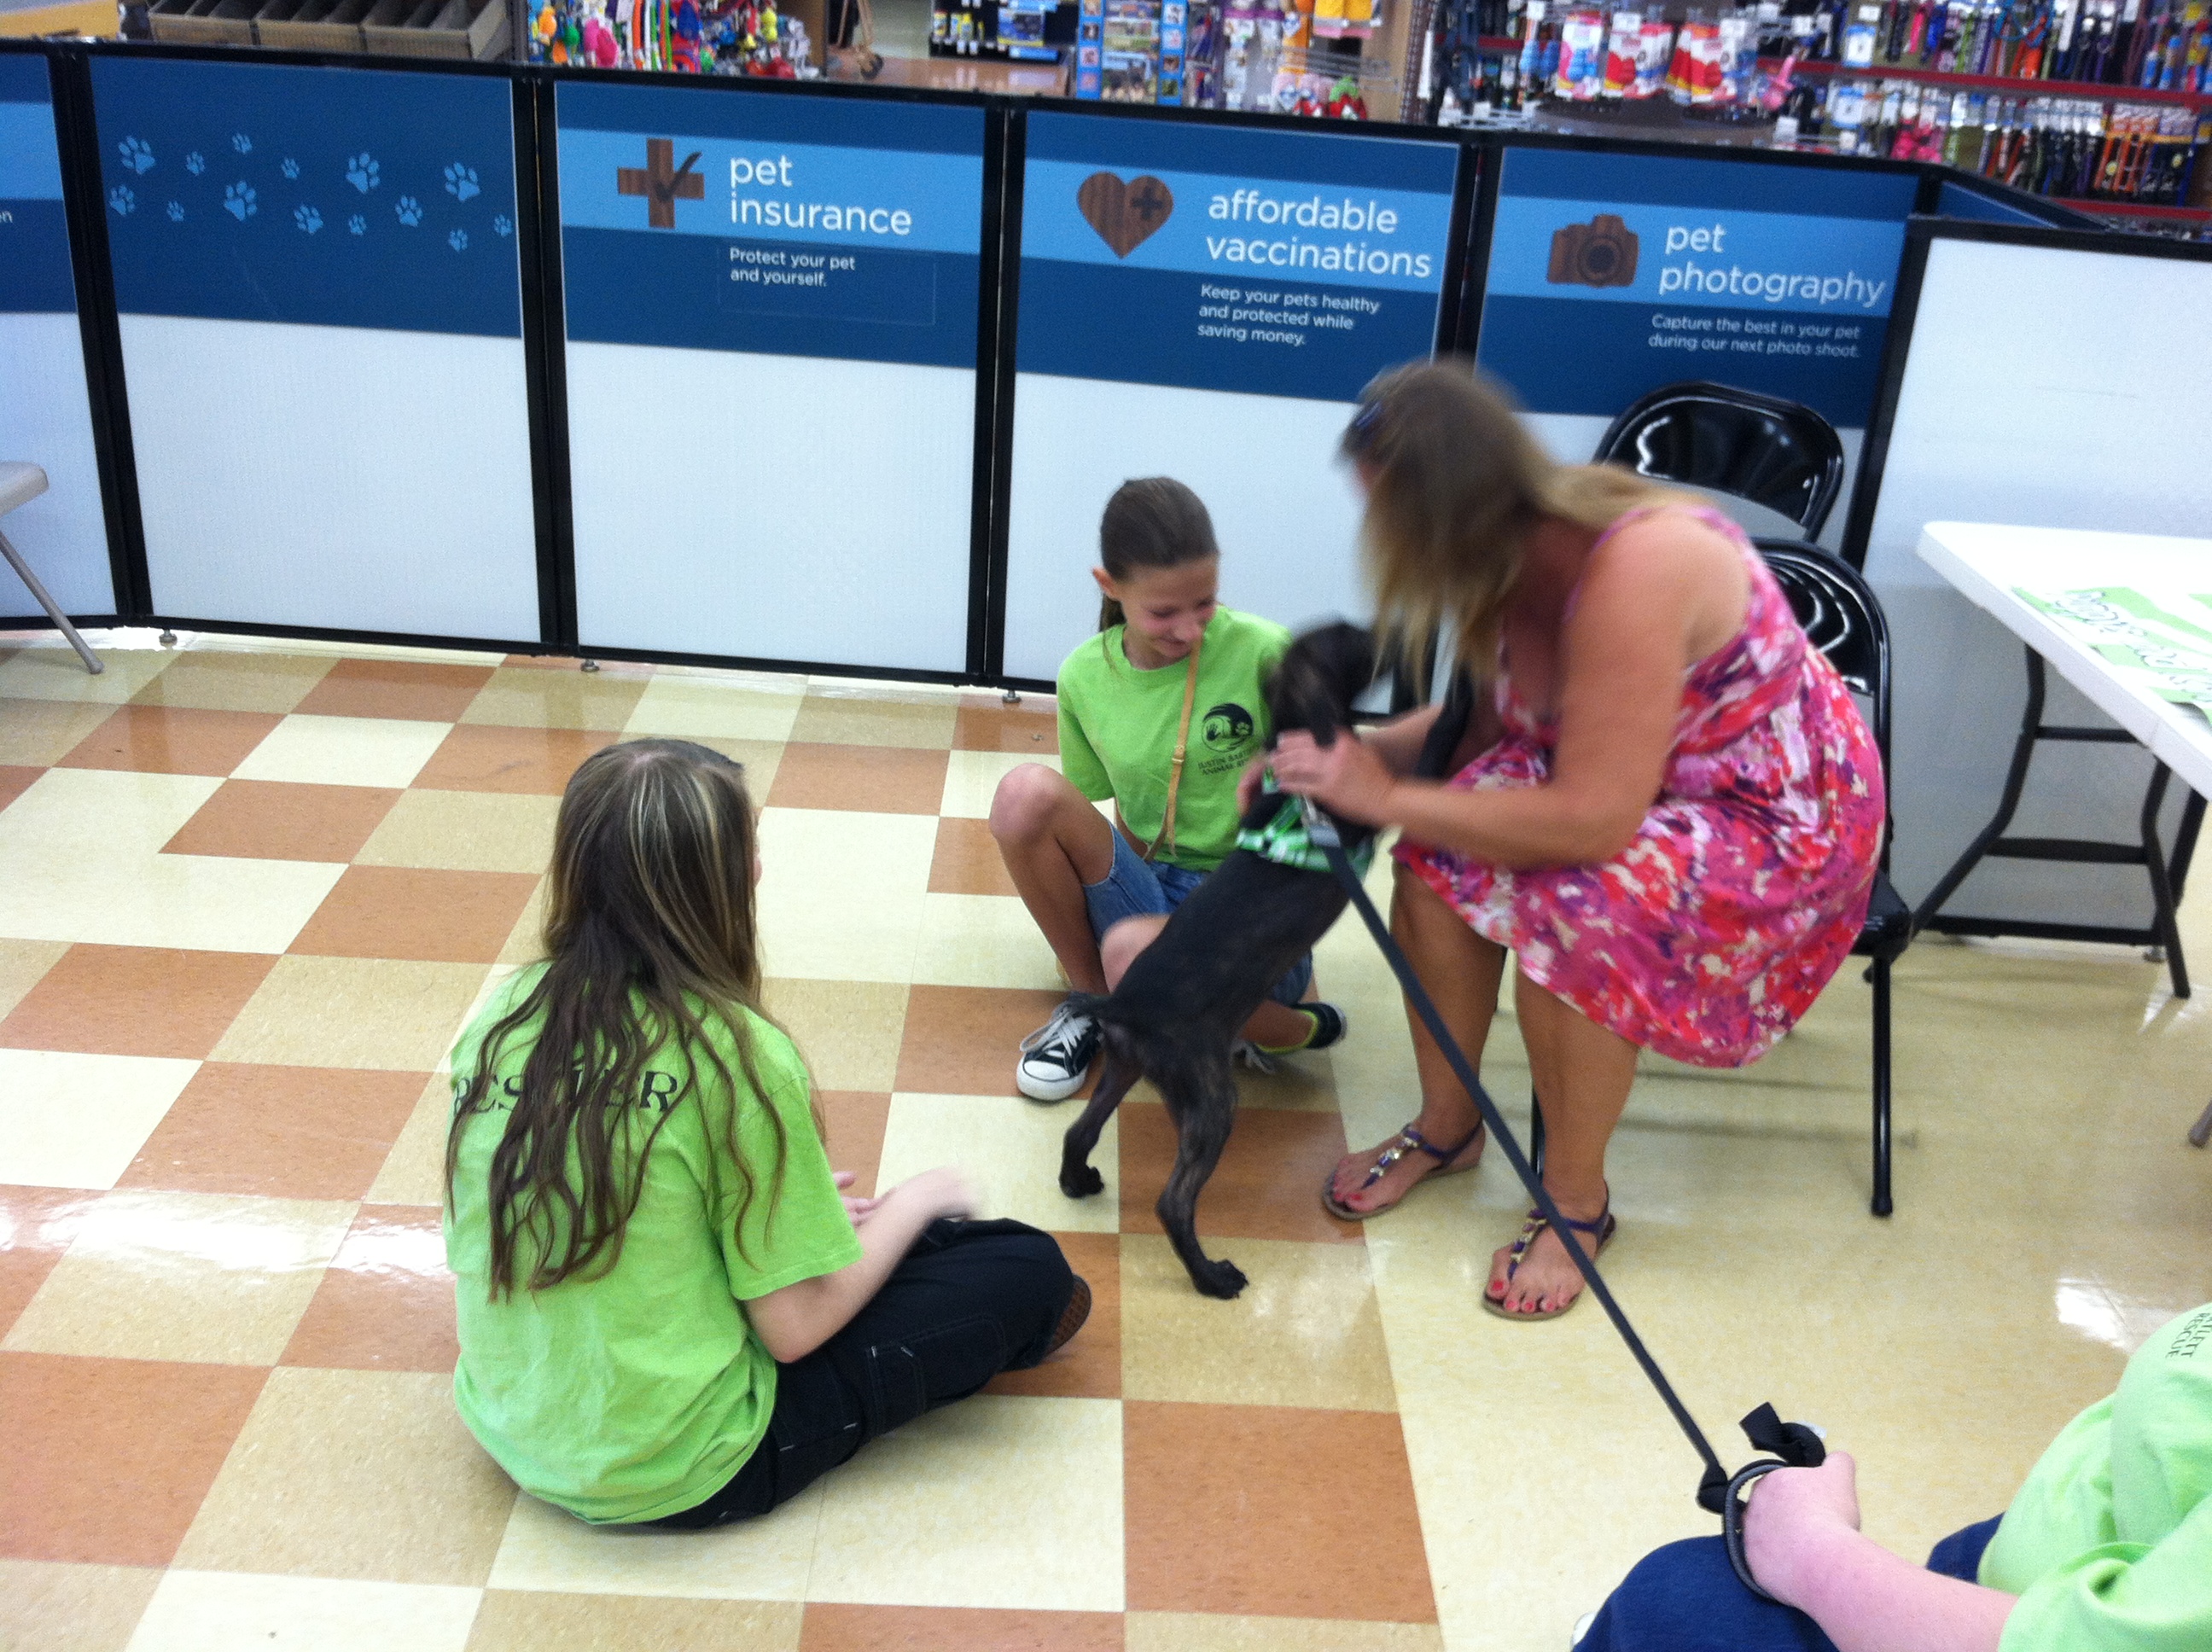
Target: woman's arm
x,y
795,1321
1801,1538
1624,650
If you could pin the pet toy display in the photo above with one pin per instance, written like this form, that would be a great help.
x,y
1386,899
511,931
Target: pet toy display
x,y
723,36
1276,57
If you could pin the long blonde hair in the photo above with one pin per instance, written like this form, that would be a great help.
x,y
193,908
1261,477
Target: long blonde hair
x,y
1456,483
651,941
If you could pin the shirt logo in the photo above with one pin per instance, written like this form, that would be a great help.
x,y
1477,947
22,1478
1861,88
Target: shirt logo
x,y
1227,727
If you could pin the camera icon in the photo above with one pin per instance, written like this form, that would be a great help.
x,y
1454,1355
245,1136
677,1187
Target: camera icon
x,y
1600,253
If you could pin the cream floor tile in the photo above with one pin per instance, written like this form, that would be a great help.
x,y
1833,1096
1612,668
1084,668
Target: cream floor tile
x,y
1306,1332
55,673
764,1559
353,1012
1190,1632
209,680
1038,1522
414,1171
363,1474
972,777
111,814
230,1611
464,831
231,642
72,1120
842,892
862,713
216,1278
533,697
981,940
22,965
51,1606
848,1031
514,1621
204,902
344,751
38,731
1009,1149
485,988
692,707
526,943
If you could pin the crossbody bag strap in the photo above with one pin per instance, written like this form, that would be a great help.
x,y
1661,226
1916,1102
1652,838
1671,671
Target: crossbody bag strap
x,y
1182,750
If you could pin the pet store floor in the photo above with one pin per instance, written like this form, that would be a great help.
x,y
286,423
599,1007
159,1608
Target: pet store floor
x,y
249,893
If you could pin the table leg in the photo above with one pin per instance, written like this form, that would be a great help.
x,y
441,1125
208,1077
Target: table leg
x,y
2163,919
2023,752
2201,1131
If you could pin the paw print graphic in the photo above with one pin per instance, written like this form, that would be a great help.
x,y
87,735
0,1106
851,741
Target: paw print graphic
x,y
238,200
360,172
196,163
122,200
241,142
176,212
461,182
410,211
458,240
357,224
307,218
137,155
503,225
288,166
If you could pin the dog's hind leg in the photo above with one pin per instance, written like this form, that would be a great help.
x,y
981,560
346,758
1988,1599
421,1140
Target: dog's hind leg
x,y
1079,1179
1202,1116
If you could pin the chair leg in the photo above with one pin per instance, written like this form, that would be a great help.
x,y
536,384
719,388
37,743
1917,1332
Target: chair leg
x,y
53,611
2201,1131
1879,975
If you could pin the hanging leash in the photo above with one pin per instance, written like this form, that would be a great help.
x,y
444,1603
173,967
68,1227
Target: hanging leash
x,y
1793,1445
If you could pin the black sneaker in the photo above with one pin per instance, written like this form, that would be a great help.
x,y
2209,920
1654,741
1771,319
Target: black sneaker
x,y
1333,1024
1056,1058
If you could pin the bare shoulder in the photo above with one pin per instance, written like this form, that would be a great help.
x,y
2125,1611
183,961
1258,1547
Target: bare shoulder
x,y
1669,559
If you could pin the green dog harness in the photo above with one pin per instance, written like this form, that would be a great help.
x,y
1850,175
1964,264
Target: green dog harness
x,y
1285,840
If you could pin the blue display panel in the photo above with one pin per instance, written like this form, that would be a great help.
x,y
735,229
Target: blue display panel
x,y
321,317
1956,201
790,226
45,413
1284,264
1611,274
791,283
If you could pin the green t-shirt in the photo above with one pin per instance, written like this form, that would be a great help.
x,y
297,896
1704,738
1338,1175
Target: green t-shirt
x,y
1117,733
641,1392
2109,1545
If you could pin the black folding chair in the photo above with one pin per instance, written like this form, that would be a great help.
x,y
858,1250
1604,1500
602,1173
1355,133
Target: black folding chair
x,y
1777,453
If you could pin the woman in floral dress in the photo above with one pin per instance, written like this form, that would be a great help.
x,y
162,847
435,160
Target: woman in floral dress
x,y
1669,811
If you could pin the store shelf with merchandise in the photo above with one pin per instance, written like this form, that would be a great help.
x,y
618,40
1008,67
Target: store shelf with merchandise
x,y
2014,84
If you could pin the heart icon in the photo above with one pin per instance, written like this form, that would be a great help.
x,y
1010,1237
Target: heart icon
x,y
1124,215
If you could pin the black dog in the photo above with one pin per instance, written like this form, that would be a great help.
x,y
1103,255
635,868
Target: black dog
x,y
1177,1013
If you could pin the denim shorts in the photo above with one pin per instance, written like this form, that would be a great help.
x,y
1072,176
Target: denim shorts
x,y
1138,888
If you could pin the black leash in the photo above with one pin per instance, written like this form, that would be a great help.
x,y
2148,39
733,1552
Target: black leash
x,y
1794,1445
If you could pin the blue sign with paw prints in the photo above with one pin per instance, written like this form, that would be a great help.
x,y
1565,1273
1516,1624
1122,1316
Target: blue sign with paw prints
x,y
340,197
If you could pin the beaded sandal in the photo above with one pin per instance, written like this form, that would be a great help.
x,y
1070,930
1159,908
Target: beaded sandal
x,y
1596,1234
1406,1141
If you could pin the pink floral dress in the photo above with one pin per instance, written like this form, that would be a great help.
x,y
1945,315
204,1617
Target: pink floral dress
x,y
1746,885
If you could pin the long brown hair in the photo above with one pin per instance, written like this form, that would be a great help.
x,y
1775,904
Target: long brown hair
x,y
650,942
1152,522
1456,485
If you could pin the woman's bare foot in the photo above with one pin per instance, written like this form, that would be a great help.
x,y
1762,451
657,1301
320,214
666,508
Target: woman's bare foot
x,y
1548,1281
1348,1184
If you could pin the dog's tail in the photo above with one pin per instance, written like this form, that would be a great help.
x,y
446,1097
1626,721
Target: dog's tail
x,y
1088,1004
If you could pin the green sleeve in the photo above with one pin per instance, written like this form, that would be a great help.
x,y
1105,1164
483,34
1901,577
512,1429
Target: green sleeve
x,y
2124,1597
800,1233
1079,760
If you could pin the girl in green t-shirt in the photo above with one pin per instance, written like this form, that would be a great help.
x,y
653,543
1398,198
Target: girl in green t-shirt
x,y
1159,713
669,1311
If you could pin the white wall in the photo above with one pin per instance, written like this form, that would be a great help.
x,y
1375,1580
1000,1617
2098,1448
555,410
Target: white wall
x,y
340,476
1285,513
2051,388
771,507
45,420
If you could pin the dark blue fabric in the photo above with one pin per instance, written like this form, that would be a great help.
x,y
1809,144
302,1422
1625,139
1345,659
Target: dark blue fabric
x,y
1687,1597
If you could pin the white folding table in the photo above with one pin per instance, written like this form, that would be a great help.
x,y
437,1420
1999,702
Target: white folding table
x,y
1988,564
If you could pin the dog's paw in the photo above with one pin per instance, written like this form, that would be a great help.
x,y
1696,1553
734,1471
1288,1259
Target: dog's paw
x,y
1224,1279
1082,1181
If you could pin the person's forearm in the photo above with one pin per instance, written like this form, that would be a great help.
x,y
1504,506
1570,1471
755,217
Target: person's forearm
x,y
1868,1599
828,1303
1515,827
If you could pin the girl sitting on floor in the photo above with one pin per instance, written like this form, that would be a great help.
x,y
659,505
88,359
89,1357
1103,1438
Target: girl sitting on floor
x,y
668,1313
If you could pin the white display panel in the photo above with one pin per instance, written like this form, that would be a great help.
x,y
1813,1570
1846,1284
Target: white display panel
x,y
345,477
45,420
1286,516
835,530
2045,387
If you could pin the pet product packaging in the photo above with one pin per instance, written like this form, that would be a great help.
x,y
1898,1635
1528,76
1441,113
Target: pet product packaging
x,y
1620,53
1582,56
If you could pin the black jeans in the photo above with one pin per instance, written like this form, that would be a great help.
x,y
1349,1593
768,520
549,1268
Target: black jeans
x,y
970,1300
